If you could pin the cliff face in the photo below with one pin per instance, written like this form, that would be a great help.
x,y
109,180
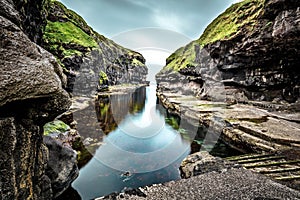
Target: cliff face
x,y
85,54
32,89
250,52
31,94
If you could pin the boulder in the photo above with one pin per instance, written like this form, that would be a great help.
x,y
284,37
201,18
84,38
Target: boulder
x,y
62,165
202,162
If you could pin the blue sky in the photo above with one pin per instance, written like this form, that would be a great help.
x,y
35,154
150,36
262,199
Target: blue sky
x,y
111,17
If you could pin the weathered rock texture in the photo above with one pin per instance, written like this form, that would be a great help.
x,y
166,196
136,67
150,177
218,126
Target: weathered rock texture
x,y
250,52
30,94
85,54
239,79
229,184
62,165
202,162
32,89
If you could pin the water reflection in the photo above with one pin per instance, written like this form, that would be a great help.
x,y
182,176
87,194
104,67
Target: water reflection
x,y
112,109
138,148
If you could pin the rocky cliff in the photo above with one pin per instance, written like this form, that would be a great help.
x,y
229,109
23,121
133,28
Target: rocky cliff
x,y
31,94
33,84
250,52
87,56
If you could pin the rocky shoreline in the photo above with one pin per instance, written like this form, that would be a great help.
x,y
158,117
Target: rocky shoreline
x,y
208,177
243,126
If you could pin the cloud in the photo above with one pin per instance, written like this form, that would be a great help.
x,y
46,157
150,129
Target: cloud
x,y
110,17
168,21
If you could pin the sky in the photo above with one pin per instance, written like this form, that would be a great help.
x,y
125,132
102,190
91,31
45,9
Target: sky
x,y
111,17
155,28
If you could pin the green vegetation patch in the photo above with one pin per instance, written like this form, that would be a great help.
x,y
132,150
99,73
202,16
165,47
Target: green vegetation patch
x,y
225,26
58,34
56,126
181,58
103,79
229,23
135,62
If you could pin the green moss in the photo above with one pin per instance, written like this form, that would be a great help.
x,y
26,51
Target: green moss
x,y
252,120
225,26
56,126
104,108
67,33
71,52
229,23
103,79
183,57
172,121
70,15
136,108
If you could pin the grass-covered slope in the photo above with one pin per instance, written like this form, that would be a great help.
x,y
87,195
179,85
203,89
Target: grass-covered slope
x,y
83,52
67,34
60,35
225,26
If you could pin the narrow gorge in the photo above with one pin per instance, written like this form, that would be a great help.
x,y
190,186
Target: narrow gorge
x,y
48,54
79,118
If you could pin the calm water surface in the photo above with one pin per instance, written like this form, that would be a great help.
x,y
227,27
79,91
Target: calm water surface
x,y
141,150
133,142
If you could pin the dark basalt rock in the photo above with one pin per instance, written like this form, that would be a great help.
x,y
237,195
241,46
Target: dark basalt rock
x,y
83,61
31,94
62,165
201,163
33,14
258,62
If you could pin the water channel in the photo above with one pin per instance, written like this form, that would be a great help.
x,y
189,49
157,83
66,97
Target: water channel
x,y
137,143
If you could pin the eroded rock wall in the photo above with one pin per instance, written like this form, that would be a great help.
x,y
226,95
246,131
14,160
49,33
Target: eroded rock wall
x,y
257,62
31,94
84,53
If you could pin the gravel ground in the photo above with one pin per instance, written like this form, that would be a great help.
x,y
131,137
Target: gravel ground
x,y
229,184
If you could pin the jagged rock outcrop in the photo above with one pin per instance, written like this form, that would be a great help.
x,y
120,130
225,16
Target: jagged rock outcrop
x,y
250,52
31,94
202,162
87,55
32,89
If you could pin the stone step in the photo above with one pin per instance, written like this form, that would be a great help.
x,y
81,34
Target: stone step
x,y
265,132
279,166
260,159
276,163
247,142
248,156
280,170
288,178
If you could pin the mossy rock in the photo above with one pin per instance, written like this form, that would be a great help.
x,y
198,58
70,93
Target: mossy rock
x,y
56,126
103,78
136,63
63,34
229,23
67,34
243,14
181,58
